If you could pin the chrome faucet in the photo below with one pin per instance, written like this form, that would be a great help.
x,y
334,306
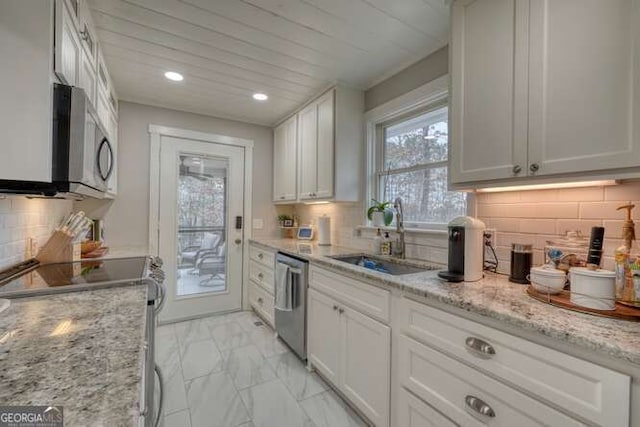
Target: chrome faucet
x,y
400,245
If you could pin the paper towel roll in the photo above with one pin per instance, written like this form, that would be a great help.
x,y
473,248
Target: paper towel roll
x,y
324,231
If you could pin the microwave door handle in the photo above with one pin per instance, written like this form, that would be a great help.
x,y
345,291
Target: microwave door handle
x,y
105,144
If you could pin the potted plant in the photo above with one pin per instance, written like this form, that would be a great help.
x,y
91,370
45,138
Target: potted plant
x,y
380,213
285,220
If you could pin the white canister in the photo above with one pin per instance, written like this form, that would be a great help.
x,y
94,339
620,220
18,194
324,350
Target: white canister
x,y
593,288
324,231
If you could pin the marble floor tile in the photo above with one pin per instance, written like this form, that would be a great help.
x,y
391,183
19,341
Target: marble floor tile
x,y
214,401
247,320
292,371
175,396
247,367
269,345
229,336
328,410
200,358
270,405
191,330
178,419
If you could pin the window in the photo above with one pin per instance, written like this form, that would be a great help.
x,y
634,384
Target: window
x,y
412,164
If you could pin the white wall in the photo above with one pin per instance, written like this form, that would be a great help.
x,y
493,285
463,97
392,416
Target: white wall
x,y
126,217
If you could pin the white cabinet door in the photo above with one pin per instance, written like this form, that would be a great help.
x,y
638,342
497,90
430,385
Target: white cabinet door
x,y
87,76
284,161
67,46
325,144
366,373
488,90
325,333
308,151
584,86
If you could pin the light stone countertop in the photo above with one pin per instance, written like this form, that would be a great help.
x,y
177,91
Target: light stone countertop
x,y
82,350
494,297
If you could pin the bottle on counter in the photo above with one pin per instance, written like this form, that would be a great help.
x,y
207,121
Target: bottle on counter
x,y
386,244
625,289
377,243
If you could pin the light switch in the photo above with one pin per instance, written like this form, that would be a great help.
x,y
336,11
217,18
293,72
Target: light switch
x,y
258,223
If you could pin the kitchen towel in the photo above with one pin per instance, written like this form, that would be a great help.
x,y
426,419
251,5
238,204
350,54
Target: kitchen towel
x,y
284,291
324,231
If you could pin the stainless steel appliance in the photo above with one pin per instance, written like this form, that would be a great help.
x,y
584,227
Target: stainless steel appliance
x,y
291,322
83,159
30,278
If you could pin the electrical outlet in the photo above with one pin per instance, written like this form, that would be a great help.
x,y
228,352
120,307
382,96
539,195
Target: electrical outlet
x,y
490,237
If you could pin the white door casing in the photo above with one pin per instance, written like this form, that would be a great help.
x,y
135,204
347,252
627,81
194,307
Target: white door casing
x,y
166,144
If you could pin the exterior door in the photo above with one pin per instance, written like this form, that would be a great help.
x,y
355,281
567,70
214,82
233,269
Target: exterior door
x,y
201,192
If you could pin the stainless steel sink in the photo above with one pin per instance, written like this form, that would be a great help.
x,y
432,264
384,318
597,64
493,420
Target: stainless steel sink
x,y
383,265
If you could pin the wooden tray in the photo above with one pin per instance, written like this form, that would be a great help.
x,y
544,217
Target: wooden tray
x,y
563,300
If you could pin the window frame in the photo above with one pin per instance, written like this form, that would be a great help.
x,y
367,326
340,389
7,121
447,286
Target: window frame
x,y
429,97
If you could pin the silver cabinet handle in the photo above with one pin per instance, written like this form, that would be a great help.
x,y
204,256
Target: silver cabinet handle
x,y
533,167
335,307
260,256
517,169
480,347
479,406
281,197
260,276
260,301
341,310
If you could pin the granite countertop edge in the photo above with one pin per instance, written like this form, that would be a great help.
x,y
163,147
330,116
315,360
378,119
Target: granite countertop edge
x,y
610,337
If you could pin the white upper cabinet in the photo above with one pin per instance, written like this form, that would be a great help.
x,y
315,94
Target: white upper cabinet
x,y
87,76
284,160
26,31
330,141
308,152
584,86
543,88
67,46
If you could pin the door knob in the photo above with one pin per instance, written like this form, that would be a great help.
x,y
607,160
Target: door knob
x,y
238,241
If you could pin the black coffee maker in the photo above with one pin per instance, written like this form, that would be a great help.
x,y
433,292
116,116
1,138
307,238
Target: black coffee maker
x,y
466,250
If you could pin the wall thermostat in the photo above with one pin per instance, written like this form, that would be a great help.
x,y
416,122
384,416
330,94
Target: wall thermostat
x,y
305,233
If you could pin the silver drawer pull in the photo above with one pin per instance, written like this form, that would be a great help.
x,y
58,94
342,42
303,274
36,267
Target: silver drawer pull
x,y
479,406
260,276
260,300
260,256
335,307
341,311
479,347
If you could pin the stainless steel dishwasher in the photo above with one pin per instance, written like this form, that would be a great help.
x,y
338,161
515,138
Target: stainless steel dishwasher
x,y
291,322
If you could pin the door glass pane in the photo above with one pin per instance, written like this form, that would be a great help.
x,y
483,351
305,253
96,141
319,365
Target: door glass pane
x,y
201,216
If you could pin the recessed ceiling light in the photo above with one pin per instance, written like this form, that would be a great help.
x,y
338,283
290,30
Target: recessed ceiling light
x,y
172,75
260,96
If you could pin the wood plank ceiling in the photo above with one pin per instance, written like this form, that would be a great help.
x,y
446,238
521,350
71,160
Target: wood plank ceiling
x,y
288,49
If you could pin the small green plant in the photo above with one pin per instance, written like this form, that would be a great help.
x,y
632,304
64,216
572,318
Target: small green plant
x,y
284,217
384,207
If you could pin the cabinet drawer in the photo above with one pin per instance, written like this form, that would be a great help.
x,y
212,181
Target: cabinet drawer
x,y
455,389
262,256
413,412
262,275
262,302
365,298
590,391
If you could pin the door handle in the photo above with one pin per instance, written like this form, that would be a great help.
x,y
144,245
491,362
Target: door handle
x,y
238,241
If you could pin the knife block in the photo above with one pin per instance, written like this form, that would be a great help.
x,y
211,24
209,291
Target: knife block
x,y
59,248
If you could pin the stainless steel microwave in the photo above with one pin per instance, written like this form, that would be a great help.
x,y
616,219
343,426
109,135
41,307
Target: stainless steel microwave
x,y
83,159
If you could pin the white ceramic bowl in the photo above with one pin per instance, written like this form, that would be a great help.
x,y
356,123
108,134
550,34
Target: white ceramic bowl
x,y
593,288
547,280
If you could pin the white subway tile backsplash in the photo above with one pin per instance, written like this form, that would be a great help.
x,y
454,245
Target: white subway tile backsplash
x,y
623,193
582,225
600,210
21,219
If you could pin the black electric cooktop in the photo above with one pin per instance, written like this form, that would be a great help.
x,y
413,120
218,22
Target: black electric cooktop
x,y
30,278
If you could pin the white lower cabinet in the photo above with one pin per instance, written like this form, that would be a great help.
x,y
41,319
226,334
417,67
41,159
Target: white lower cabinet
x,y
352,351
261,284
465,395
413,412
262,302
